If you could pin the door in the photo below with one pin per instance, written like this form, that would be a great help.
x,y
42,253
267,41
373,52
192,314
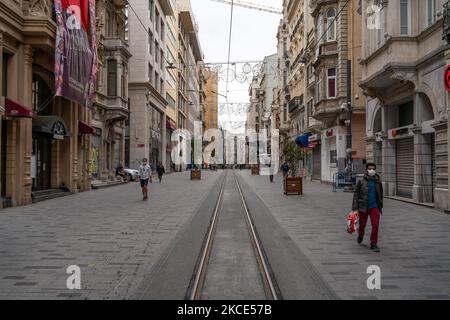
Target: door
x,y
405,167
317,163
3,158
42,152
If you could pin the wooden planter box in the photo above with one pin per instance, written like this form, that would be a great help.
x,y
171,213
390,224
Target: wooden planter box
x,y
255,170
196,175
293,186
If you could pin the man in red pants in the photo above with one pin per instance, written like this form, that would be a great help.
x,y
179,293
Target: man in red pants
x,y
368,200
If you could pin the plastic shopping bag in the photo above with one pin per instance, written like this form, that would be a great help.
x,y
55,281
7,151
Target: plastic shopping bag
x,y
353,222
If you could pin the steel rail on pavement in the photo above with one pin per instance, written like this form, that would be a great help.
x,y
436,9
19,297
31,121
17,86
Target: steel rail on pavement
x,y
270,287
200,271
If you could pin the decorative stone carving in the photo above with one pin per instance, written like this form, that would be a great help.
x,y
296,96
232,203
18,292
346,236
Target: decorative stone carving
x,y
446,24
38,8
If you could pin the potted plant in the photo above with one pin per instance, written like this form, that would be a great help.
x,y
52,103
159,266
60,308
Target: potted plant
x,y
293,184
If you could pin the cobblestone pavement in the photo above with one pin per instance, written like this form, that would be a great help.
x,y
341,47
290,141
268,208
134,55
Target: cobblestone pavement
x,y
414,242
111,234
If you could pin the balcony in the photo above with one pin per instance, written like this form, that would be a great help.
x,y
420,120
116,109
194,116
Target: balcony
x,y
167,7
327,111
116,44
116,108
295,103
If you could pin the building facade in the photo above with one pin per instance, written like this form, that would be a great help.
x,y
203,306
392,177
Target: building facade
x,y
147,81
403,66
110,113
333,69
211,105
190,59
171,83
44,140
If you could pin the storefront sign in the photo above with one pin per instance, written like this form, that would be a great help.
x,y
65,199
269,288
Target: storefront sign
x,y
447,78
330,133
141,145
399,132
76,50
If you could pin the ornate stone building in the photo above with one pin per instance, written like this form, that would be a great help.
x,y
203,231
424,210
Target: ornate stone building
x,y
45,150
111,109
403,69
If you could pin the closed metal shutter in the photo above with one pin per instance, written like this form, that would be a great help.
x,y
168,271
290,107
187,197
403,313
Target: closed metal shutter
x,y
433,161
405,167
317,163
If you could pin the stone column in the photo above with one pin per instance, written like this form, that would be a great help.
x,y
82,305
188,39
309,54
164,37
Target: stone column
x,y
444,148
441,193
25,134
423,167
388,155
1,109
163,139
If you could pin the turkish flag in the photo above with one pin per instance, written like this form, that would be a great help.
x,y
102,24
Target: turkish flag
x,y
80,8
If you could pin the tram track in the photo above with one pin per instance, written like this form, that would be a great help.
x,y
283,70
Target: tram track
x,y
225,246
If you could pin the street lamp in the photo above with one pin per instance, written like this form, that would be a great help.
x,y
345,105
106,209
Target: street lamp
x,y
347,107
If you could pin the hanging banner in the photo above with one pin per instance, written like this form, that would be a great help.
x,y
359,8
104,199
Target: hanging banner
x,y
76,50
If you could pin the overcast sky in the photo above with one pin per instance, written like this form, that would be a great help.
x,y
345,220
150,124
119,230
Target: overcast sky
x,y
253,38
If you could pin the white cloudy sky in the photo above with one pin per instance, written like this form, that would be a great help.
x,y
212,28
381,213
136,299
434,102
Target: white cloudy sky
x,y
253,38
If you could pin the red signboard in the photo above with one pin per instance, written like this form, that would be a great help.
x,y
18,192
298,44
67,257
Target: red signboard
x,y
447,78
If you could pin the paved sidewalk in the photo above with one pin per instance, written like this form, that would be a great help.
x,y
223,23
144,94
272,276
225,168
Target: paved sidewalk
x,y
415,242
111,234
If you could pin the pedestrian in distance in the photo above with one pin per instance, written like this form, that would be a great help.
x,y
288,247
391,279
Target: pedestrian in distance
x,y
285,169
144,173
161,171
368,201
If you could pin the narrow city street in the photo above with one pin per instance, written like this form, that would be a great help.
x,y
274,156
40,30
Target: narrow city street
x,y
127,248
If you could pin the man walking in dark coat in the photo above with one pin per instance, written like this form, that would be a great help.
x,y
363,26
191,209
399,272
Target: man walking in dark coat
x,y
368,201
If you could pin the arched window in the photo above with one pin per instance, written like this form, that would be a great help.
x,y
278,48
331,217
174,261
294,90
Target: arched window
x,y
331,24
319,33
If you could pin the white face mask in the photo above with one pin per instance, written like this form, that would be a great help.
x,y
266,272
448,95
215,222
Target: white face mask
x,y
371,173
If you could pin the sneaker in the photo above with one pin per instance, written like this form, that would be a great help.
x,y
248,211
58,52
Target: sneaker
x,y
360,240
374,248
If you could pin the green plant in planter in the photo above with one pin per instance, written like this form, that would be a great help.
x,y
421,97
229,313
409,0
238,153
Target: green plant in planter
x,y
292,155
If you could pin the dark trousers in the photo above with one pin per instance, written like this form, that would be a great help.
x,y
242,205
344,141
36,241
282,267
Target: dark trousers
x,y
375,222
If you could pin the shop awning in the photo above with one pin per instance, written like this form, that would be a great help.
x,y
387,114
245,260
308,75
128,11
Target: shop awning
x,y
84,128
15,109
53,125
170,124
303,140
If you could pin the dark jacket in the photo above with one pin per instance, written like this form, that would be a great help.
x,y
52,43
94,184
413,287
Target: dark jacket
x,y
160,170
361,195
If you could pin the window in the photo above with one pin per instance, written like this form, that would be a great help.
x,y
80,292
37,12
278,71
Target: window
x,y
431,12
162,60
319,33
156,52
162,30
112,78
150,73
319,90
161,86
157,23
151,9
123,80
404,17
150,42
331,25
333,156
331,83
406,114
156,81
171,101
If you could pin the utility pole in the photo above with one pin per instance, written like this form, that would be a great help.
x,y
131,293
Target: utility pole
x,y
348,122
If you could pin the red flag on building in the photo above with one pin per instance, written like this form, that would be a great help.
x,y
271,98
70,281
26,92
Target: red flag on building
x,y
75,50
